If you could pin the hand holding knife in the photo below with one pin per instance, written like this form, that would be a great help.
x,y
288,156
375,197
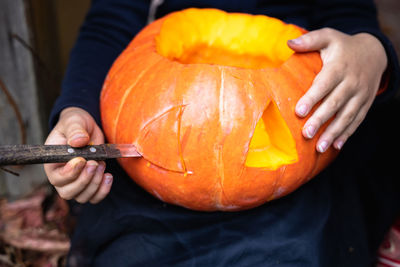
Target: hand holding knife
x,y
36,154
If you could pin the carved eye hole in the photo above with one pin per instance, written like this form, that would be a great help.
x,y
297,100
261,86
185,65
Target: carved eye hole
x,y
272,144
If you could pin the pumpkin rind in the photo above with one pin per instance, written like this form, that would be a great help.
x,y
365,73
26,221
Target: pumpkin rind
x,y
193,123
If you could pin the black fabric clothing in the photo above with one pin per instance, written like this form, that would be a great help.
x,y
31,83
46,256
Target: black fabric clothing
x,y
337,219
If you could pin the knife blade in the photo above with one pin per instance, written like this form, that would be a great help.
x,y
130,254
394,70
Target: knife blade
x,y
36,154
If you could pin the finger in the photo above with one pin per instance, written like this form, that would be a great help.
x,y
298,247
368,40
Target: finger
x,y
71,190
75,130
311,41
56,137
93,186
346,121
328,108
344,136
97,136
104,189
60,174
327,79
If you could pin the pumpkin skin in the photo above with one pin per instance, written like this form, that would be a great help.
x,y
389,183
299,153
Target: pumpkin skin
x,y
194,118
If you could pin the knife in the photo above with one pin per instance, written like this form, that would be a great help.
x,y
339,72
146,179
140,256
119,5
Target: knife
x,y
35,154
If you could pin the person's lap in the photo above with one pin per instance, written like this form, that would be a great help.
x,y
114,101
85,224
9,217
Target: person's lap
x,y
337,219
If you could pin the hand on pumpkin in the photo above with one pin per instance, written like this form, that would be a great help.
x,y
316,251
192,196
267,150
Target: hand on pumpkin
x,y
347,83
84,181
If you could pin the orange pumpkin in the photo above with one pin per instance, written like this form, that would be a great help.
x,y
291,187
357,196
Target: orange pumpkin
x,y
208,98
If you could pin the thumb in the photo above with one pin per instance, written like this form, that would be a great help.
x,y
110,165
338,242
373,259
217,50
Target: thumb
x,y
311,41
76,132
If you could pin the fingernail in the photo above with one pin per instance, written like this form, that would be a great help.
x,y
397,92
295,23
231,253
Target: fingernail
x,y
322,146
77,136
101,168
296,41
339,145
310,131
302,110
91,168
108,179
77,163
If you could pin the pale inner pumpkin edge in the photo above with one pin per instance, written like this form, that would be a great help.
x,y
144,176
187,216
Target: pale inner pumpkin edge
x,y
229,39
272,144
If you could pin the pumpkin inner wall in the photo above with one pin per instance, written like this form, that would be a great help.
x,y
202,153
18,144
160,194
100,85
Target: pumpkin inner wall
x,y
228,39
272,144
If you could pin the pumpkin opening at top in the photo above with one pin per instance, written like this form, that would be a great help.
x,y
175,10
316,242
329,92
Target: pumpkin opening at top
x,y
225,39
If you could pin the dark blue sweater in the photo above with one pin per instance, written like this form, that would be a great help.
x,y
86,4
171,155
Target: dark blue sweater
x,y
337,219
110,25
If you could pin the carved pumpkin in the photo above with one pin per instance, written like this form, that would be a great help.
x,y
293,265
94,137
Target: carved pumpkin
x,y
208,98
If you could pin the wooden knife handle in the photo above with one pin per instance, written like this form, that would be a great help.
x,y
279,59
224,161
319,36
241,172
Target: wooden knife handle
x,y
34,154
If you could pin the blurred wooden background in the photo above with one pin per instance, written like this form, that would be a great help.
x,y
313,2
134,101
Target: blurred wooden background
x,y
36,37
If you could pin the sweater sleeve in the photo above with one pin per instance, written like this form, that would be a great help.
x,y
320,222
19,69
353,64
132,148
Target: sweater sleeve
x,y
108,28
356,16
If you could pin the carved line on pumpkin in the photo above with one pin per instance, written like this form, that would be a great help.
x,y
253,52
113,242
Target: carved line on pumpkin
x,y
144,133
278,191
309,69
221,99
122,63
125,96
221,176
151,163
220,161
180,114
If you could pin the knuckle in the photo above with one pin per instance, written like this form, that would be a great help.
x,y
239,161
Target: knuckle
x,y
317,120
353,83
97,182
335,133
332,133
323,114
334,103
327,30
321,86
345,136
98,178
312,98
335,67
66,177
72,118
308,38
358,120
84,180
348,118
67,174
